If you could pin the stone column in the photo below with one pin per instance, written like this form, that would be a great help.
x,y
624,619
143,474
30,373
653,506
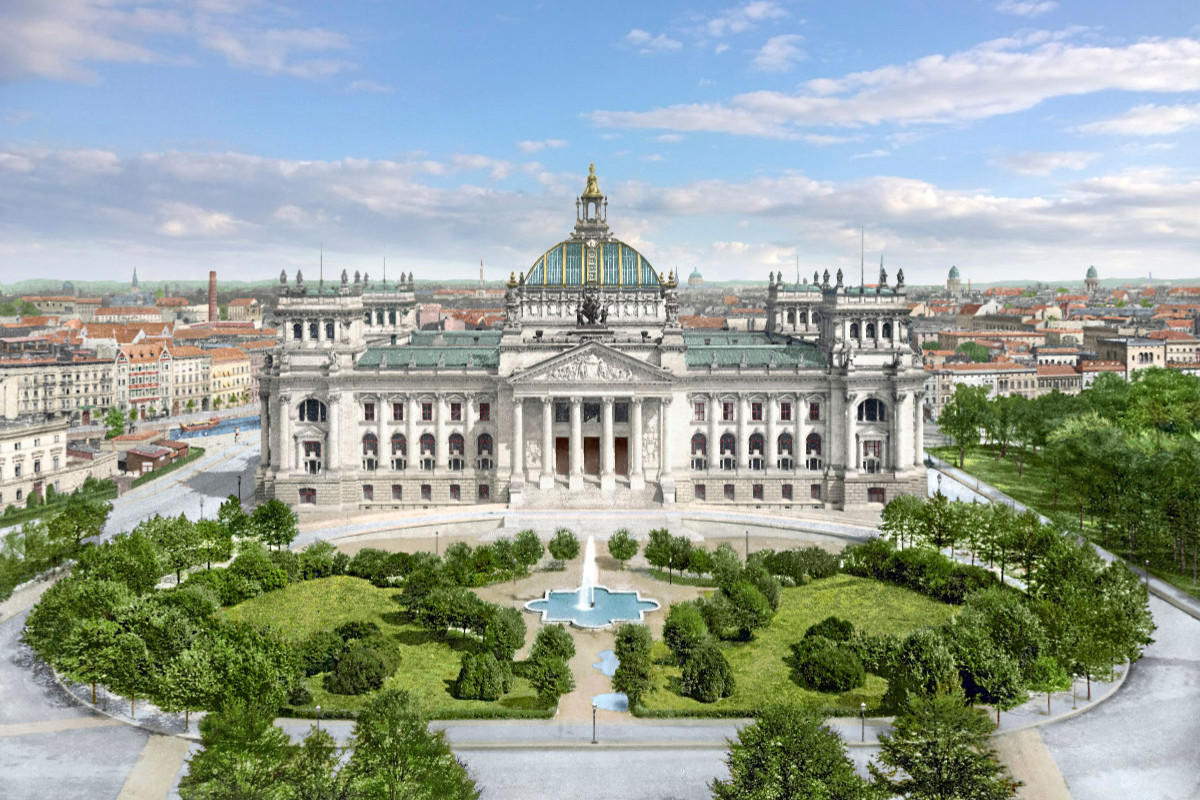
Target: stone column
x,y
743,434
851,455
286,450
919,443
517,478
637,476
900,457
714,433
441,445
772,449
382,444
608,447
413,453
264,434
799,432
333,461
666,480
575,479
547,479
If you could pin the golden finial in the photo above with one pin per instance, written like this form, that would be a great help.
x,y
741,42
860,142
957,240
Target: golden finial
x,y
512,279
592,190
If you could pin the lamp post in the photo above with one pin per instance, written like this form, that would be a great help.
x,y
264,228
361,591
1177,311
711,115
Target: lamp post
x,y
239,488
1147,574
593,722
436,543
318,719
747,545
862,708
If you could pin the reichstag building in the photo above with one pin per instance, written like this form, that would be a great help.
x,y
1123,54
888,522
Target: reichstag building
x,y
592,394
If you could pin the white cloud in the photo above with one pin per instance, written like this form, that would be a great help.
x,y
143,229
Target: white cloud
x,y
185,220
742,18
994,78
369,87
670,138
645,42
872,154
1026,8
1148,120
275,51
1043,163
536,146
779,53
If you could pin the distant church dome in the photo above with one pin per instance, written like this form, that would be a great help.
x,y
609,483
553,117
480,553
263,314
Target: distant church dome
x,y
695,279
68,287
953,272
1091,273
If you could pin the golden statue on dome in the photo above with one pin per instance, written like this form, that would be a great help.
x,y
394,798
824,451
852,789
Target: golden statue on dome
x,y
593,186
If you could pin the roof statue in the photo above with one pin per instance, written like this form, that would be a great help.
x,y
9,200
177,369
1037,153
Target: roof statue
x,y
592,190
345,277
282,276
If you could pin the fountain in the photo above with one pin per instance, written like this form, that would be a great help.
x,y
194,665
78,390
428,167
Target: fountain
x,y
592,605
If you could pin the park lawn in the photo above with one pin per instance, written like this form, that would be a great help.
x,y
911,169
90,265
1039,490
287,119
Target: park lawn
x,y
428,664
760,666
1036,490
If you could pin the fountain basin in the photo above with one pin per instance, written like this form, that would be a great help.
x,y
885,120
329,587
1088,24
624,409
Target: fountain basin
x,y
608,607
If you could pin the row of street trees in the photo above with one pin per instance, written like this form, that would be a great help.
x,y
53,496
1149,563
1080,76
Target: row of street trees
x,y
1124,455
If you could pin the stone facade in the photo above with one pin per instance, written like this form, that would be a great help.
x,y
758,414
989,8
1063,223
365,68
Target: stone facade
x,y
591,386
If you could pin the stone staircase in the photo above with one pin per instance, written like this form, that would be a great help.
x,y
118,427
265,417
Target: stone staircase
x,y
600,524
589,497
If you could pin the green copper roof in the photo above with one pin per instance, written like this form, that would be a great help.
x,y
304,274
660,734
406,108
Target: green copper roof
x,y
747,349
408,356
610,263
954,272
456,338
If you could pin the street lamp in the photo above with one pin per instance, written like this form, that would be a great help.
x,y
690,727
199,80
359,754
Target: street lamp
x,y
1147,573
862,707
436,547
747,545
593,722
318,718
239,488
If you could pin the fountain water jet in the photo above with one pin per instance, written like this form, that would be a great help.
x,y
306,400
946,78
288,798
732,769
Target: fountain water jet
x,y
587,585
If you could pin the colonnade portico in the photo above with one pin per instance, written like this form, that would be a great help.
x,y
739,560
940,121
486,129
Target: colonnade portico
x,y
613,435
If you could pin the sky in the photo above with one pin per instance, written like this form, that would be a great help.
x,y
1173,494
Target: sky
x,y
1016,139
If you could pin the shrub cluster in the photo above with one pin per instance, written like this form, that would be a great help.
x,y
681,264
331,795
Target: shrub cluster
x,y
483,677
824,661
547,668
917,568
797,567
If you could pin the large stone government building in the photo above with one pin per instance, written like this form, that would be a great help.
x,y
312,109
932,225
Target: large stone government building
x,y
592,394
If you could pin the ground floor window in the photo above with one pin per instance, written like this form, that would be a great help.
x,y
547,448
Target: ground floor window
x,y
426,491
455,492
700,491
814,491
729,491
397,491
308,496
368,492
484,491
758,491
876,495
787,491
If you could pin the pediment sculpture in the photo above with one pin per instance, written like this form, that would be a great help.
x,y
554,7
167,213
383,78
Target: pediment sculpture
x,y
590,367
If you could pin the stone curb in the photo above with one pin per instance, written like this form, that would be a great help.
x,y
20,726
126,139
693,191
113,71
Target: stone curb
x,y
133,723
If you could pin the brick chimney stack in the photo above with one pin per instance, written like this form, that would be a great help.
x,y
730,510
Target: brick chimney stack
x,y
212,296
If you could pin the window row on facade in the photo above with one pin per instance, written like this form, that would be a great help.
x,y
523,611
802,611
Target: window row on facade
x,y
483,493
786,493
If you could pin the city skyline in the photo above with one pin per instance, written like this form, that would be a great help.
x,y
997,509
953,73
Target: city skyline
x,y
1013,139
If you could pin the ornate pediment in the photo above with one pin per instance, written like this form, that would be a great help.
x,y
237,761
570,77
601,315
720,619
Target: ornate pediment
x,y
592,363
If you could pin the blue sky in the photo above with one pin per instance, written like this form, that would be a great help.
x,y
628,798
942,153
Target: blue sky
x,y
1018,139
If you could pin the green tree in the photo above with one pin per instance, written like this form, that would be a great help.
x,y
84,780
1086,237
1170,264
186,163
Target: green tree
x,y
504,633
922,663
622,546
901,518
528,549
633,662
188,683
114,423
551,678
564,546
680,554
89,652
707,676
658,550
245,756
213,542
274,523
975,351
726,565
130,558
553,641
177,541
315,770
963,416
939,749
750,608
684,630
787,753
233,518
80,518
1046,675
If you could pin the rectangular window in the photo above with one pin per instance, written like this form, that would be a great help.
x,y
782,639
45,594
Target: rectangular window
x,y
426,491
397,412
758,491
37,466
308,496
17,471
397,491
368,492
699,409
785,412
455,492
786,491
729,491
872,448
620,412
427,412
456,412
727,412
756,412
369,412
485,412
312,449
562,412
875,495
814,491
700,491
485,491
814,411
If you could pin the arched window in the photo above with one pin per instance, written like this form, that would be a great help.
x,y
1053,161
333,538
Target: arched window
x,y
312,410
427,444
870,330
370,445
456,444
812,445
791,318
728,443
785,444
887,330
699,444
297,331
756,444
399,445
853,330
483,444
872,410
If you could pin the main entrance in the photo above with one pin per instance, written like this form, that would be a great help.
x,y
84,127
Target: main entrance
x,y
562,455
621,450
591,455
